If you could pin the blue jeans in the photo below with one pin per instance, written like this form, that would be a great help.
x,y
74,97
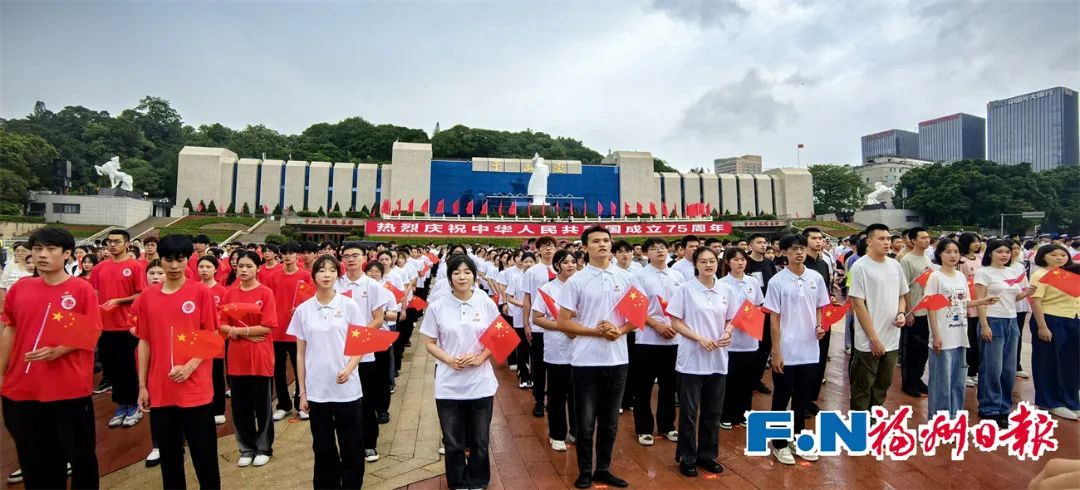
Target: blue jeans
x,y
948,371
997,367
1055,365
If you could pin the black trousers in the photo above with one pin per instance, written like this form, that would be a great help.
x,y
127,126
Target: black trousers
x,y
218,374
512,358
597,392
915,354
823,359
48,435
337,438
172,426
524,356
739,391
795,385
283,351
466,425
653,364
117,352
405,328
381,398
252,415
701,398
371,380
539,371
560,402
627,401
974,340
763,351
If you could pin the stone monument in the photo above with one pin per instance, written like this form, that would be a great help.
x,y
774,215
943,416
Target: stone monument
x,y
116,177
879,209
537,188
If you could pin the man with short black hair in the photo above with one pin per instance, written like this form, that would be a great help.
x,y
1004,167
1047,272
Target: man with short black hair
x,y
763,270
685,265
818,259
915,338
533,278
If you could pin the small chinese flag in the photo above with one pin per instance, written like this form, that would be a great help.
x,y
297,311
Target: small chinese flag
x,y
72,329
397,209
469,207
500,339
1067,282
934,302
1016,280
634,306
204,344
456,207
424,271
614,208
440,208
638,208
417,303
571,208
434,258
512,211
241,312
663,304
626,208
750,319
599,209
551,275
424,207
925,276
410,206
652,208
663,208
304,292
484,209
398,294
550,303
385,207
360,340
831,314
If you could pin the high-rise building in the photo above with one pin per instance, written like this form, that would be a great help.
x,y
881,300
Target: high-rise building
x,y
891,143
950,138
1039,128
746,164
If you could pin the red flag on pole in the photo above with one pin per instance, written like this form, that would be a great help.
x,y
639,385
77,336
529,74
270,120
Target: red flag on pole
x,y
398,294
424,207
634,306
204,344
304,291
663,208
614,208
925,276
242,312
750,319
456,207
500,339
933,302
440,207
543,210
469,207
397,209
417,303
362,340
72,330
1065,281
625,209
708,209
599,209
652,208
500,209
512,210
550,303
385,207
831,314
571,208
265,209
410,206
484,209
663,304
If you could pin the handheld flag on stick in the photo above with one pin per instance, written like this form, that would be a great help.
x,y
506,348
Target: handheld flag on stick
x,y
417,303
71,329
663,305
398,294
634,306
360,340
934,302
304,292
925,276
203,344
1067,282
500,339
241,312
1016,280
750,319
831,314
550,303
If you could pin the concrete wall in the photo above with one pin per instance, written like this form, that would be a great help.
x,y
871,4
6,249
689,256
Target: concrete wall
x,y
200,176
319,185
365,184
672,192
386,175
343,174
294,185
97,210
635,178
729,203
712,192
225,184
247,174
764,193
746,194
412,161
691,188
794,192
270,186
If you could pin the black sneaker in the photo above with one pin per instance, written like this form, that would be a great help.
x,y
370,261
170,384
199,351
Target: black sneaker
x,y
687,469
710,466
102,387
923,388
384,418
813,411
584,480
608,478
761,388
538,410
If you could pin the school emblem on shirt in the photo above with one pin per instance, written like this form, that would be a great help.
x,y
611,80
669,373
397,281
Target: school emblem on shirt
x,y
618,288
337,313
259,303
476,317
67,301
126,272
217,300
188,307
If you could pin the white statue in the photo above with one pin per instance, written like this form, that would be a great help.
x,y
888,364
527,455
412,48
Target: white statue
x,y
537,189
882,194
116,177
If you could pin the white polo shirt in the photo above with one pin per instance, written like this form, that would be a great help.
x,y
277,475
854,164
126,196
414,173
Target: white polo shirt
x,y
514,288
369,296
685,268
456,327
323,328
656,284
797,299
536,276
592,294
747,288
556,343
707,312
880,284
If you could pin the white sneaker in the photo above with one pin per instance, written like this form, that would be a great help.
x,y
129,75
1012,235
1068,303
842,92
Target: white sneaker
x,y
228,393
523,384
154,455
645,439
971,381
783,455
558,445
726,425
219,419
808,456
260,460
620,411
513,367
1022,374
244,461
442,449
1063,413
279,414
570,438
371,455
672,436
15,476
303,415
133,417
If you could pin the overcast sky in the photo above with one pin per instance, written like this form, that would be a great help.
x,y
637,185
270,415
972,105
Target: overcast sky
x,y
687,80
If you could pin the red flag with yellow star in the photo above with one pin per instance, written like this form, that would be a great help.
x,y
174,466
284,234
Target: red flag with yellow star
x,y
500,339
1067,282
71,329
831,314
242,312
634,306
417,303
750,319
360,340
398,294
204,344
304,291
663,305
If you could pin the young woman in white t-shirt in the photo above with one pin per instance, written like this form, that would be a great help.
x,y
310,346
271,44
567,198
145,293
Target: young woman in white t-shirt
x,y
329,383
948,331
557,349
465,381
700,312
998,332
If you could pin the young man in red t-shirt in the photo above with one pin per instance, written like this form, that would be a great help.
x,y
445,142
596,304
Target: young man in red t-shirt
x,y
46,387
177,390
284,283
118,282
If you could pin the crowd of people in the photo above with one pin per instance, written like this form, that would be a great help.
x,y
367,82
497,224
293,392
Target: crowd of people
x,y
583,361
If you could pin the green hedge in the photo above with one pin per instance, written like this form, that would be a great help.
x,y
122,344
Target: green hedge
x,y
195,225
22,219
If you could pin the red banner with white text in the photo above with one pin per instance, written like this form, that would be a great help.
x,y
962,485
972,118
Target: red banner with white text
x,y
529,230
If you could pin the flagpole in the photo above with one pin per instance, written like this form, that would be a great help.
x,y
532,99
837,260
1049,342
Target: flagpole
x,y
40,331
172,347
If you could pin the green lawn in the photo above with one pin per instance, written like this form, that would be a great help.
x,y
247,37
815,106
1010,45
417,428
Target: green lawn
x,y
217,228
833,228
